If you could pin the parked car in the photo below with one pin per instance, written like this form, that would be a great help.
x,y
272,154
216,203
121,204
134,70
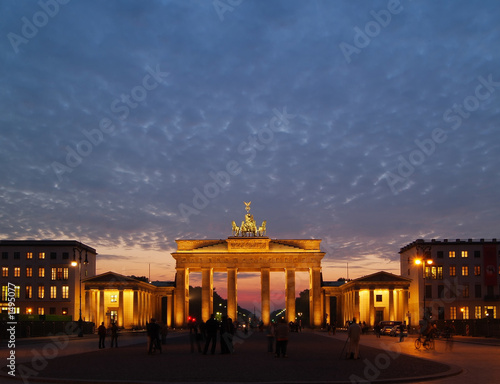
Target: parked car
x,y
395,331
386,331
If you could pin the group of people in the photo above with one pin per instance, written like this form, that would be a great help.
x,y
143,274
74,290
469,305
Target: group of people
x,y
279,332
207,333
102,332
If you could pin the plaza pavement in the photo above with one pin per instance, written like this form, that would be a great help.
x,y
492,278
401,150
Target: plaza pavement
x,y
313,357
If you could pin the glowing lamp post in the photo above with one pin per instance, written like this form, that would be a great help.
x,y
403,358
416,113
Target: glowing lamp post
x,y
74,263
424,263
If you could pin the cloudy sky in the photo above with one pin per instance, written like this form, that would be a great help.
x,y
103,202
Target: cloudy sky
x,y
128,124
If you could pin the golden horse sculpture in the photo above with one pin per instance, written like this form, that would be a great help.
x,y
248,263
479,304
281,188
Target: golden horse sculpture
x,y
248,226
236,229
262,229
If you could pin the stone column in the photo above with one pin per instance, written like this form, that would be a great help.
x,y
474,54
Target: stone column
x,y
265,291
181,296
372,307
170,306
356,305
232,294
207,293
121,320
102,313
315,296
404,300
391,304
135,314
328,312
88,303
290,294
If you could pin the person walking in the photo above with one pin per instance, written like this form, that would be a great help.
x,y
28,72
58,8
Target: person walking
x,y
101,331
114,335
402,328
281,333
211,327
194,335
354,335
153,332
270,336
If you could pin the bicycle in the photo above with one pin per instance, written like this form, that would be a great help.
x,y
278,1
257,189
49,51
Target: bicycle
x,y
427,343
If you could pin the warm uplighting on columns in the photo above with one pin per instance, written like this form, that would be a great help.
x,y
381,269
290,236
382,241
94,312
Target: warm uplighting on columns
x,y
424,262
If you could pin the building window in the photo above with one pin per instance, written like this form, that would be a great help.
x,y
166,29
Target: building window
x,y
41,272
477,253
453,271
41,291
453,313
477,291
5,271
53,292
65,255
29,310
428,291
5,255
5,293
41,255
490,311
114,298
17,255
53,274
441,291
29,272
465,254
477,312
53,255
29,255
17,272
65,291
465,313
378,298
41,310
440,272
440,254
465,291
451,254
29,292
465,270
52,310
65,273
477,270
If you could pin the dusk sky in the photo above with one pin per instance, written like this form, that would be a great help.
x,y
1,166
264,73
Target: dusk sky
x,y
129,124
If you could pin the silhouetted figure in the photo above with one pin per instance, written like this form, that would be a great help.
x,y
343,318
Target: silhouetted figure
x,y
194,335
114,335
270,336
226,337
376,329
402,328
354,334
281,333
153,332
211,327
101,331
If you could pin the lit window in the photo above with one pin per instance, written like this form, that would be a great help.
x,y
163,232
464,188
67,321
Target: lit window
x,y
5,271
53,292
477,270
41,291
65,273
440,272
465,270
65,292
53,274
29,292
452,271
477,312
5,293
59,273
29,272
465,254
41,310
490,311
114,298
17,272
41,272
17,290
29,255
453,313
452,254
41,255
29,311
465,313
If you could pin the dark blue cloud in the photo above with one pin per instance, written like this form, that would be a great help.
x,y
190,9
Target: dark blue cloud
x,y
326,173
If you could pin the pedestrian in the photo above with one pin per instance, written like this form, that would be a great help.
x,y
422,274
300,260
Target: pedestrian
x,y
402,328
194,335
376,329
354,335
153,332
270,336
114,334
281,334
101,331
224,335
211,327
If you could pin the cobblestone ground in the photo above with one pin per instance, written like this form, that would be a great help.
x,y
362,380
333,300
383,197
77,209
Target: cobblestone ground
x,y
311,358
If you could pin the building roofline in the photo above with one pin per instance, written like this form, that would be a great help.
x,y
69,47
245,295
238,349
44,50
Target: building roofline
x,y
56,243
447,242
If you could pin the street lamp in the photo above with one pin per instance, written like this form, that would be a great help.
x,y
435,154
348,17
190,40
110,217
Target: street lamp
x,y
424,262
74,263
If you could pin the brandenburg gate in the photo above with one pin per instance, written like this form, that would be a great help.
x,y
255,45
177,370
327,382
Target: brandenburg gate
x,y
248,250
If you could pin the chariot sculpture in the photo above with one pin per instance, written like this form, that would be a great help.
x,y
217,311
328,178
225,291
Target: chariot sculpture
x,y
248,226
